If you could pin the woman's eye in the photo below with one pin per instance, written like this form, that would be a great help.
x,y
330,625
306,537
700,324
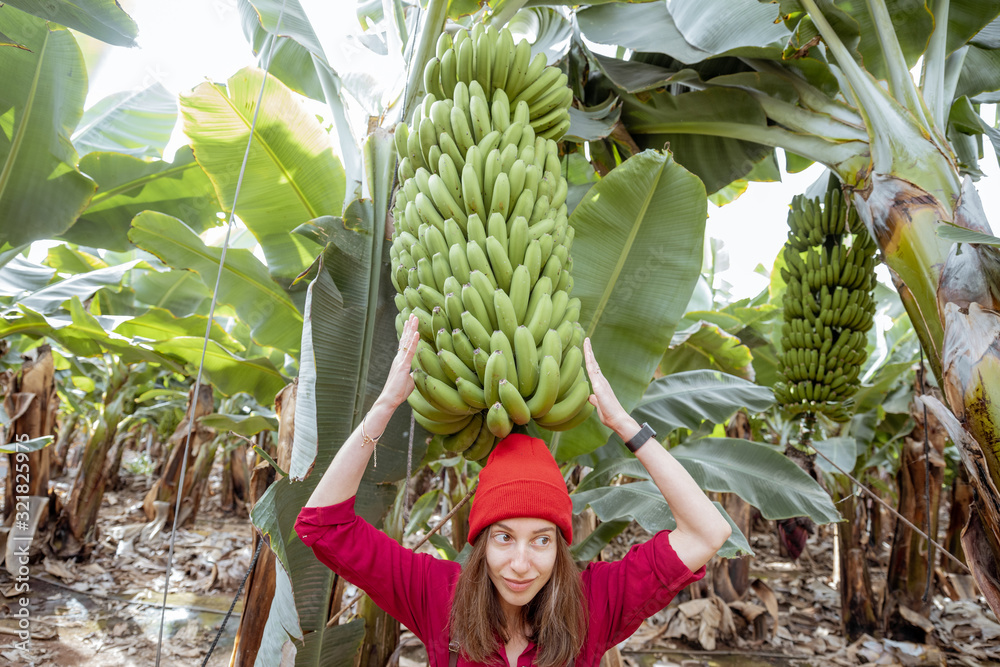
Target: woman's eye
x,y
543,541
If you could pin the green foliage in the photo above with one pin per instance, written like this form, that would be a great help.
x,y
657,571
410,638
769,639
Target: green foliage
x,y
41,101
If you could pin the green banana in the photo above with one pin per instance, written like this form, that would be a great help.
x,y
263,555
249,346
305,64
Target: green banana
x,y
441,428
547,390
513,403
506,314
526,361
455,368
461,441
439,394
499,421
568,406
482,446
496,369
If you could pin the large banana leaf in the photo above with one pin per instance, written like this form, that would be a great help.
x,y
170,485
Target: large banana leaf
x,y
639,236
134,122
227,372
82,334
687,399
292,175
128,185
103,19
21,275
644,503
180,292
51,298
348,343
733,24
65,259
245,285
41,100
297,58
642,27
707,346
759,474
157,324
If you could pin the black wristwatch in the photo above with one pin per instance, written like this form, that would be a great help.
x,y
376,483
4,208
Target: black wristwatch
x,y
640,438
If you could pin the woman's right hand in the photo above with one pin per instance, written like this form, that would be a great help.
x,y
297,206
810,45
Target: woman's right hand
x,y
399,384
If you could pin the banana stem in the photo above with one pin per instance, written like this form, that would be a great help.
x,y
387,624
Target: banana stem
x,y
935,62
434,19
901,84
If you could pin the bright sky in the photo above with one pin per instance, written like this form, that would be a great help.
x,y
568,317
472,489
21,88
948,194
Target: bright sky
x,y
185,42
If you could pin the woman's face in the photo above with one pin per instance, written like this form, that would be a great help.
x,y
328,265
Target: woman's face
x,y
520,556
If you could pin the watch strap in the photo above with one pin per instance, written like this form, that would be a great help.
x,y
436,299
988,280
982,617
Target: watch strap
x,y
640,438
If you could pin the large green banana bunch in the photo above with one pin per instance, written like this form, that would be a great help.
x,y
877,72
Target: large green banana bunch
x,y
828,306
481,246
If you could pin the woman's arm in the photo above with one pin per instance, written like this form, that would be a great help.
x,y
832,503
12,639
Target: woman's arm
x,y
701,528
341,479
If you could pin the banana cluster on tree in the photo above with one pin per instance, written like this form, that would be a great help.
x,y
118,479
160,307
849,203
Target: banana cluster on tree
x,y
481,245
828,306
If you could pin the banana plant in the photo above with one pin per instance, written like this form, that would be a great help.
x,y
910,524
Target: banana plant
x,y
725,83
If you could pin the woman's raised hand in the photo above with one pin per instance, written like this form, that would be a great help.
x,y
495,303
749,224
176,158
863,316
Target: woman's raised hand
x,y
609,410
399,384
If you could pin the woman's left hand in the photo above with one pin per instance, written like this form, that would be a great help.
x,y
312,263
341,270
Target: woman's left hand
x,y
609,410
399,383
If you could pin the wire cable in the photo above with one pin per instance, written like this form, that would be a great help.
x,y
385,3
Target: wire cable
x,y
268,48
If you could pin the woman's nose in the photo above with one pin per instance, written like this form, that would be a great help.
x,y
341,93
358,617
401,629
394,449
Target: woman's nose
x,y
520,562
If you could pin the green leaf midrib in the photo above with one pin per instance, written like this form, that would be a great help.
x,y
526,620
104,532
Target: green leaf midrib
x,y
270,152
87,128
139,182
626,251
15,146
229,269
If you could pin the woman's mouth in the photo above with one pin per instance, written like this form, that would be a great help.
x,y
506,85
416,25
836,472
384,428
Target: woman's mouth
x,y
518,586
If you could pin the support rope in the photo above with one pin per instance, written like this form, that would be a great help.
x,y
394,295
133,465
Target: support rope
x,y
927,480
268,49
239,591
892,511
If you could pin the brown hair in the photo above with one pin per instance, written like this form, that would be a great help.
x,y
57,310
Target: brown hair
x,y
556,617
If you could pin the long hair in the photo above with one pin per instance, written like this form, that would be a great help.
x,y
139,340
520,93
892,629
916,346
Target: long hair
x,y
556,617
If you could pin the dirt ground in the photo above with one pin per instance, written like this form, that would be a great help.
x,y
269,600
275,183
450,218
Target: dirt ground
x,y
105,612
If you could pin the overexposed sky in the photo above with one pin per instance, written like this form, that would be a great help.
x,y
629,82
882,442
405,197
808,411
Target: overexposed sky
x,y
185,42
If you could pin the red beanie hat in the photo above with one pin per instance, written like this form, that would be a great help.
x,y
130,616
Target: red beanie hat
x,y
521,479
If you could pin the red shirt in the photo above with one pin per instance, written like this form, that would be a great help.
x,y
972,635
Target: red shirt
x,y
417,589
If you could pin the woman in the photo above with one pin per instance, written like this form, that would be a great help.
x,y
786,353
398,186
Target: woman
x,y
519,600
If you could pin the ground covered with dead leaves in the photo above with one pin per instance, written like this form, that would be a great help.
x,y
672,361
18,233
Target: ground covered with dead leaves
x,y
104,612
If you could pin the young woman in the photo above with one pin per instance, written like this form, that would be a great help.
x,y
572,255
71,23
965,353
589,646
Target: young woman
x,y
519,600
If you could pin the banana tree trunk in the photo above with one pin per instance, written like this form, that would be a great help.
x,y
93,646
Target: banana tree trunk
x,y
261,582
906,580
165,488
235,478
64,440
958,517
31,403
91,478
857,607
951,294
731,577
381,629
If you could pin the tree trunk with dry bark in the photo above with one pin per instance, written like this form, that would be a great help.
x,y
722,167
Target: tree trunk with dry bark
x,y
261,581
165,488
91,479
912,556
31,402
